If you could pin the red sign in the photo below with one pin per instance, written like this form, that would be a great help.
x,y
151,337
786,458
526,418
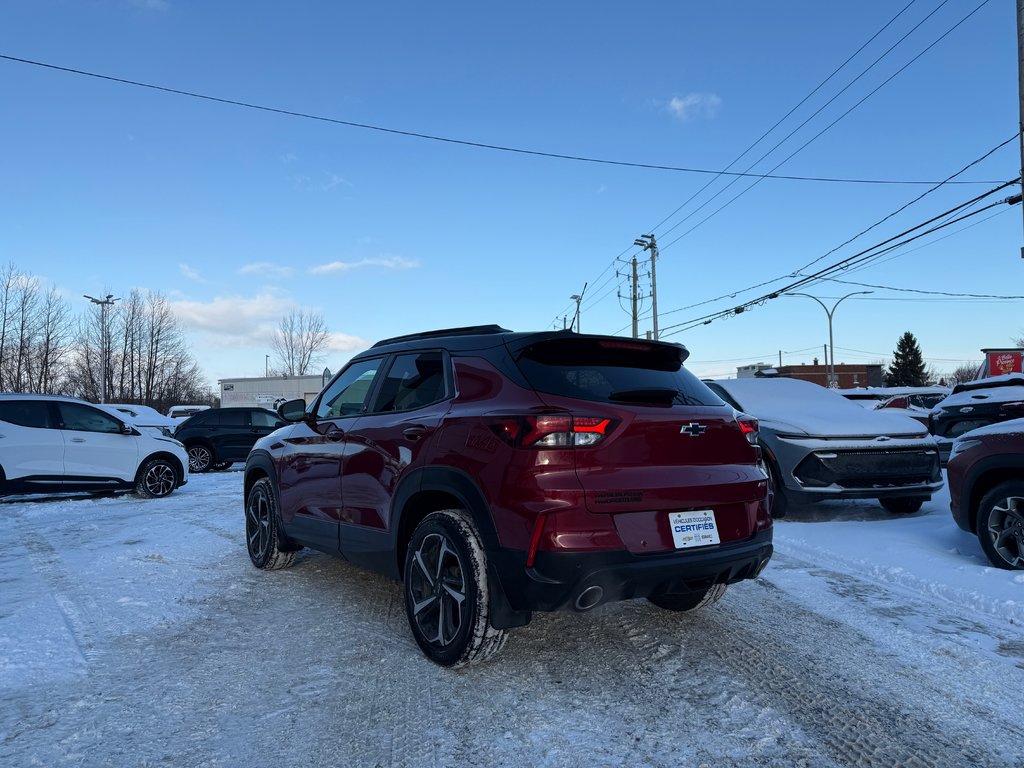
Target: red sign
x,y
1004,362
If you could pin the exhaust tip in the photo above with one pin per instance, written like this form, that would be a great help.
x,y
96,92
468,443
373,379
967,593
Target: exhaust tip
x,y
588,598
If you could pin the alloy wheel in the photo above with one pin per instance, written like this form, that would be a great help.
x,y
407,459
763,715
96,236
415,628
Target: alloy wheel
x,y
199,458
159,479
1005,526
257,525
437,584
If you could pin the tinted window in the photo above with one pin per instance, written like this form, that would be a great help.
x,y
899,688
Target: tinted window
x,y
613,371
234,419
82,418
264,419
204,419
412,381
347,394
27,413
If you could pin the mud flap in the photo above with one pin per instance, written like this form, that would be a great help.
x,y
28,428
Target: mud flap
x,y
502,615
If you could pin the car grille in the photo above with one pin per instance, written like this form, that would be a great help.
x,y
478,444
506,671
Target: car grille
x,y
859,469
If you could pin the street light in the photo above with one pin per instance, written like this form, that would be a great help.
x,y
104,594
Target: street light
x,y
577,298
103,303
829,312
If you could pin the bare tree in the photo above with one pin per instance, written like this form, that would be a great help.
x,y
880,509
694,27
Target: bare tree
x,y
298,342
965,372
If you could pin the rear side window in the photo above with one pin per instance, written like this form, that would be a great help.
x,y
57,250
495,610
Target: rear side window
x,y
264,419
412,381
25,413
608,370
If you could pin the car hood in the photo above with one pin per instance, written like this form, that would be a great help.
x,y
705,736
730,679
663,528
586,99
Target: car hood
x,y
823,421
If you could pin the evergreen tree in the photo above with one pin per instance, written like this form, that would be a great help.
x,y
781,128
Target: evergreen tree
x,y
907,368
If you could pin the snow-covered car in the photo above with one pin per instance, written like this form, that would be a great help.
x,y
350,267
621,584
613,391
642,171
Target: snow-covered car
x,y
52,444
818,445
142,417
976,404
986,489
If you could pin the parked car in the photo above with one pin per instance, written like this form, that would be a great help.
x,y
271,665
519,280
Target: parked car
x,y
218,437
986,489
976,404
142,417
499,473
51,444
884,397
818,445
179,413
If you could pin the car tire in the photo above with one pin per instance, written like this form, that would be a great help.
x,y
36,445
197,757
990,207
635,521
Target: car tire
x,y
903,505
690,601
1000,525
200,458
267,548
780,503
446,591
156,478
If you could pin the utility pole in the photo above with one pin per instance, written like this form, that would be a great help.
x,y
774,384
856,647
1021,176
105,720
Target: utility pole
x,y
636,319
577,297
648,243
104,342
1020,88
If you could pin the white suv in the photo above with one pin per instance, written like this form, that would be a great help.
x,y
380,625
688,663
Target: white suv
x,y
53,444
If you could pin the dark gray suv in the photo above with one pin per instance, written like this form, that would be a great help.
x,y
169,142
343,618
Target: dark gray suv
x,y
218,437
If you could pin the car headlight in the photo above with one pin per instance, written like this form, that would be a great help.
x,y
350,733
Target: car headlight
x,y
959,446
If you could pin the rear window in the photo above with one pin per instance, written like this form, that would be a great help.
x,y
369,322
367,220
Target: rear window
x,y
613,371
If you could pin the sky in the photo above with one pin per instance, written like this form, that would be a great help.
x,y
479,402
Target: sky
x,y
240,215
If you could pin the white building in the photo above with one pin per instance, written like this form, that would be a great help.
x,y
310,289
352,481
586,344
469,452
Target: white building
x,y
268,391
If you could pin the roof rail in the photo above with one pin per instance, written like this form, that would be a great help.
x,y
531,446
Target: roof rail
x,y
469,330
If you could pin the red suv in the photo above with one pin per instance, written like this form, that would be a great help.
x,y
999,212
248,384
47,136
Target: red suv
x,y
986,489
499,473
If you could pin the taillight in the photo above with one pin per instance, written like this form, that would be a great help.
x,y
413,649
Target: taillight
x,y
552,430
748,426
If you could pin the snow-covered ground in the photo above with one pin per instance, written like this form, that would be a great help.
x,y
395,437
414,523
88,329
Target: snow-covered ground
x,y
135,632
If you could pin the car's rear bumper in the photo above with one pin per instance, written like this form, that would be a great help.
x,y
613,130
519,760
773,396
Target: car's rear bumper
x,y
582,580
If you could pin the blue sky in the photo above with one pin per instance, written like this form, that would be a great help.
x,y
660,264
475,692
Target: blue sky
x,y
238,216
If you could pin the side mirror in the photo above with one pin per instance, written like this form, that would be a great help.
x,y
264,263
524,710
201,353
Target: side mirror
x,y
292,410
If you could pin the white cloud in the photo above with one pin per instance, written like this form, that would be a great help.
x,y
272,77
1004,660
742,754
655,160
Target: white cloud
x,y
334,180
234,320
342,342
190,273
267,269
387,262
693,105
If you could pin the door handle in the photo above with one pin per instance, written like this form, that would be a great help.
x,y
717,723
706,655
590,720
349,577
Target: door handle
x,y
415,432
77,439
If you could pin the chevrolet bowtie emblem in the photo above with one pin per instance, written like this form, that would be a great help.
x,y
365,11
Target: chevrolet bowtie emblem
x,y
693,429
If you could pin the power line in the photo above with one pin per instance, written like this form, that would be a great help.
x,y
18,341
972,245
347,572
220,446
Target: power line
x,y
862,256
449,140
829,126
786,116
799,270
813,115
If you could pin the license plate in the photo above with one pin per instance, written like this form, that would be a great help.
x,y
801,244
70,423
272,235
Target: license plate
x,y
696,528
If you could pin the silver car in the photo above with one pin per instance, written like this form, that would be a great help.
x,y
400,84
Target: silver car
x,y
818,445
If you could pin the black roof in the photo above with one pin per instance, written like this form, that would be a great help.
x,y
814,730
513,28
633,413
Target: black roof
x,y
474,337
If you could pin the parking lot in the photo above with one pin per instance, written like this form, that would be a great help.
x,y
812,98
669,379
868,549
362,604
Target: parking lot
x,y
136,632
